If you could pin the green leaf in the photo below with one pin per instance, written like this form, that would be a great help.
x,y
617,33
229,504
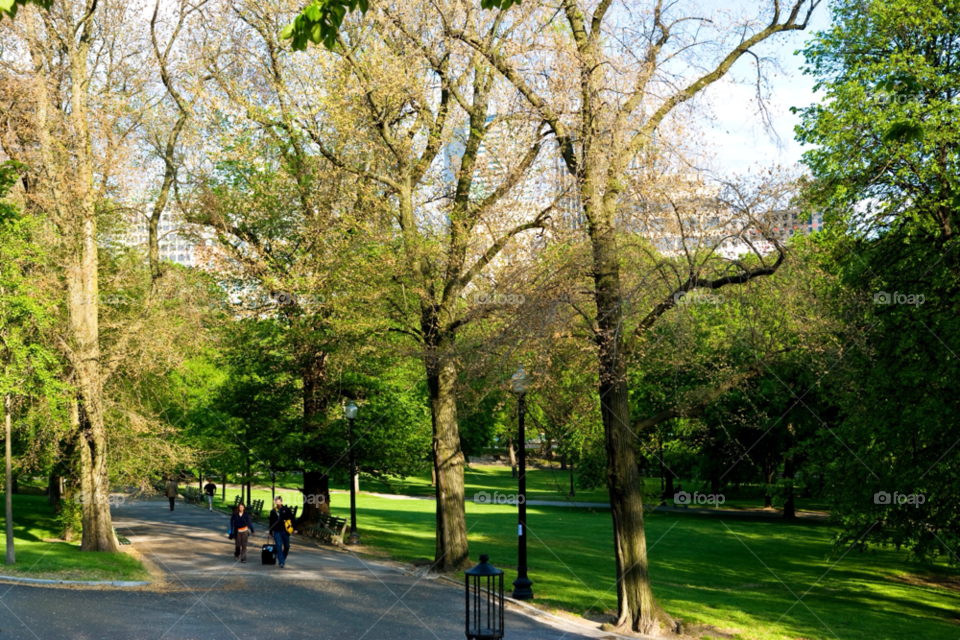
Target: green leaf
x,y
903,132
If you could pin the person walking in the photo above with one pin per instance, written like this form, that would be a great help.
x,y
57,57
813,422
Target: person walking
x,y
172,491
281,526
242,527
210,489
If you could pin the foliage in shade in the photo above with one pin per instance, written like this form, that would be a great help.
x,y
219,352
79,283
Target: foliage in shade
x,y
10,7
320,22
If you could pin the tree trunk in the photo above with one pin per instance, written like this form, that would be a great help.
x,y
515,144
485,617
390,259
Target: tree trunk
x,y
636,605
53,492
789,508
316,496
451,552
768,479
316,484
433,477
513,456
223,492
11,556
94,483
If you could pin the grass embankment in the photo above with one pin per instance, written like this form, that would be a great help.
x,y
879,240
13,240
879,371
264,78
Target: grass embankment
x,y
743,577
40,555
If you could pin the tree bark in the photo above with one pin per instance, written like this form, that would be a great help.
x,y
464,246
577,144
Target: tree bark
x,y
316,482
98,532
316,496
513,456
636,605
451,552
789,507
53,492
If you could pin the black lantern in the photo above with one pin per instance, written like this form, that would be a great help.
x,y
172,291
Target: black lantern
x,y
484,610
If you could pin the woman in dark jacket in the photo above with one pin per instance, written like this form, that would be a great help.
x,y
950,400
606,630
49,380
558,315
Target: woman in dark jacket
x,y
242,527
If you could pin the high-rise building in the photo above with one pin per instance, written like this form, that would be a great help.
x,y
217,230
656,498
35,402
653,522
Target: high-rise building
x,y
173,244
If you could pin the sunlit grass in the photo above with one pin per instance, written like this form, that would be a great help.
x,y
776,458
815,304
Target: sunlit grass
x,y
39,555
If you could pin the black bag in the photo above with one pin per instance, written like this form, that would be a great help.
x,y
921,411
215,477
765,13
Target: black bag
x,y
268,555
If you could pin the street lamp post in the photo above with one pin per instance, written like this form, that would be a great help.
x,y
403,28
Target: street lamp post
x,y
350,412
522,586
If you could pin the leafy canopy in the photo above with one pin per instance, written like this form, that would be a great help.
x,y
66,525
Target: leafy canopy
x,y
320,21
9,7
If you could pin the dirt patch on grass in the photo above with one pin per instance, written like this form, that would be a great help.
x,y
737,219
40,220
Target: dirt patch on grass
x,y
951,583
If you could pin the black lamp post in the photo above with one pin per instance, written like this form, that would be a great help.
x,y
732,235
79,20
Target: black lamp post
x,y
484,610
350,412
522,585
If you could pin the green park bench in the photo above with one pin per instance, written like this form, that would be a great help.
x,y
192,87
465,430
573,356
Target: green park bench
x,y
328,529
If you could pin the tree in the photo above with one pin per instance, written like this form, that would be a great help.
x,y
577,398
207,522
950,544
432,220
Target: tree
x,y
389,68
885,175
29,368
600,133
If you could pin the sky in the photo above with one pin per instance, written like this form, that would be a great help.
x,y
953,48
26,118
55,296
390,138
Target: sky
x,y
737,134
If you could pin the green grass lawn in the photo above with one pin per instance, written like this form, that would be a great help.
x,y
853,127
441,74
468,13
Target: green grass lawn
x,y
737,575
543,484
37,557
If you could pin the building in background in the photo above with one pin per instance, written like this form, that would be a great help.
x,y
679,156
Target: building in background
x,y
174,245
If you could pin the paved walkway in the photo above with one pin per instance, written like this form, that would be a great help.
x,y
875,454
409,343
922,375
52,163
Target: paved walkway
x,y
323,593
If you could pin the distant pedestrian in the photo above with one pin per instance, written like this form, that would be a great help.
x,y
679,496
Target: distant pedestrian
x,y
210,490
242,527
172,491
281,526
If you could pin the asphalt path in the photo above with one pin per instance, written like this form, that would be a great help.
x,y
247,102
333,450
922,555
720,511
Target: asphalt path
x,y
322,593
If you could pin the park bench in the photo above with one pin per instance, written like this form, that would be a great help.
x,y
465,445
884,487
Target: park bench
x,y
255,506
122,539
328,529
